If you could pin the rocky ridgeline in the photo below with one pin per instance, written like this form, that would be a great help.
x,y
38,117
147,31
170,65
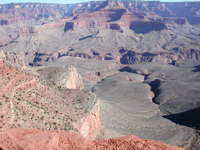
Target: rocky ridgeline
x,y
12,59
19,138
14,12
28,102
147,36
130,57
65,77
111,16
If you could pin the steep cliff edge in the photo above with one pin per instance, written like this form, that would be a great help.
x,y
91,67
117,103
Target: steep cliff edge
x,y
19,138
29,102
62,77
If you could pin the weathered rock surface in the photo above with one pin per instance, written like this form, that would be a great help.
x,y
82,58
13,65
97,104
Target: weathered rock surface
x,y
63,77
29,102
12,13
118,35
127,108
121,33
91,71
20,138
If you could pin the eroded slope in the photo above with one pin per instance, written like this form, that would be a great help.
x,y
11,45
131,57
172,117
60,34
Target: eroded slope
x,y
27,102
127,108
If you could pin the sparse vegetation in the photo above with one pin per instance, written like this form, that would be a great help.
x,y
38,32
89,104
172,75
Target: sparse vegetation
x,y
44,106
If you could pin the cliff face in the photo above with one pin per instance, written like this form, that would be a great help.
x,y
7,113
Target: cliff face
x,y
74,80
131,57
30,102
187,10
146,36
13,13
65,77
90,128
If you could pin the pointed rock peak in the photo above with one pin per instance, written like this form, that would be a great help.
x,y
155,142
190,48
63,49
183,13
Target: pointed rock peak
x,y
112,3
109,4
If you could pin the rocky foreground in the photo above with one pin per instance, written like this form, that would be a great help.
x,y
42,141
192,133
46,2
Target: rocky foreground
x,y
29,139
28,100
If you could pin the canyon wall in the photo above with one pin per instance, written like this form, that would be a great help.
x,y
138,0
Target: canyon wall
x,y
14,12
90,128
27,101
131,57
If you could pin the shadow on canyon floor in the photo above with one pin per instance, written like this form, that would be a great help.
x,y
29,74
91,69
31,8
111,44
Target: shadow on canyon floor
x,y
146,27
197,68
189,118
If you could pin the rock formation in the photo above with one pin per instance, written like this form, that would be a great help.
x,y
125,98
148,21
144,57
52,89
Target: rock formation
x,y
13,13
13,59
27,101
63,77
20,138
120,33
74,80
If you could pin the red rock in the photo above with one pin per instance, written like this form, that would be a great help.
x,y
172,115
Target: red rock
x,y
104,15
32,139
1,63
91,127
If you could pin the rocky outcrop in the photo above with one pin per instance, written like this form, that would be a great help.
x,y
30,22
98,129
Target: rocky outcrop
x,y
2,55
131,57
74,80
14,13
20,138
188,10
90,128
28,31
33,58
13,59
106,14
63,77
40,105
180,21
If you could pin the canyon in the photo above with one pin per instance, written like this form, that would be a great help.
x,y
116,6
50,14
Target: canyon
x,y
97,73
118,34
28,100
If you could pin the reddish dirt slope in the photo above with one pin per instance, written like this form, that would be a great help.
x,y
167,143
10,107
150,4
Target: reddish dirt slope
x,y
28,103
19,138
